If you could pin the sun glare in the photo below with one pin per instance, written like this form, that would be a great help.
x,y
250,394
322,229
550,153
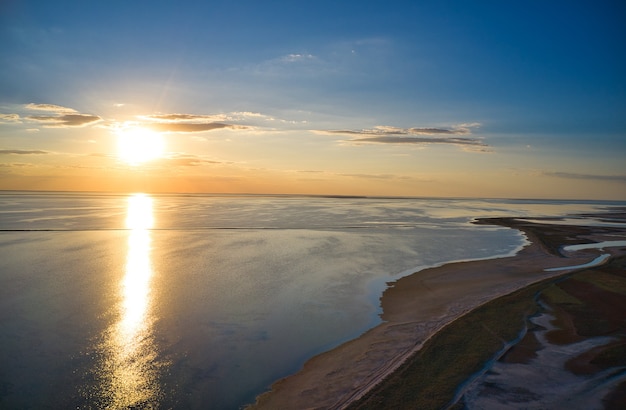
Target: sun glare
x,y
138,145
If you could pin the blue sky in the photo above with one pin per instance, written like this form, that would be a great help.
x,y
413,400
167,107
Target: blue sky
x,y
447,98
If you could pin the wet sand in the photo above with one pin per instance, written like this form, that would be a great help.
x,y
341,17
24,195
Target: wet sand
x,y
417,306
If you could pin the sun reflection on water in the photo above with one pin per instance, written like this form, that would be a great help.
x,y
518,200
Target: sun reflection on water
x,y
130,371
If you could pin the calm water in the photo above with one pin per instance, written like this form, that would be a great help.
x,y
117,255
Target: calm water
x,y
201,302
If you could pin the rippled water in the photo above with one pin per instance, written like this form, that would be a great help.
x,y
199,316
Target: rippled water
x,y
137,301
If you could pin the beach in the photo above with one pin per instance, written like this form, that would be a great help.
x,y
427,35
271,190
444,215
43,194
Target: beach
x,y
417,306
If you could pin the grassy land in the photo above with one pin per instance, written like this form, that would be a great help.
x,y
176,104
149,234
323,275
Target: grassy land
x,y
430,379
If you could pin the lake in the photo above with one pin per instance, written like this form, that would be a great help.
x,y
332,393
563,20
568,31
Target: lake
x,y
202,301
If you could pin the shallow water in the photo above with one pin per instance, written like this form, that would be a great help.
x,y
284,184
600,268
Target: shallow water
x,y
544,382
203,301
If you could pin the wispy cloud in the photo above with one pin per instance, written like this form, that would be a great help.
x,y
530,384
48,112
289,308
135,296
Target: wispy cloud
x,y
459,135
593,177
187,123
22,152
292,65
323,175
237,116
385,130
421,140
16,165
175,117
65,120
4,118
376,176
58,116
191,127
49,107
187,160
354,59
297,57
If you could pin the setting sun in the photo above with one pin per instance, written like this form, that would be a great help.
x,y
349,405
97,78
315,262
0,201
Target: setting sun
x,y
138,145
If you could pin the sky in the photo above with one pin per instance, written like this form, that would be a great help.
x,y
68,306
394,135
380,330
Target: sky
x,y
504,99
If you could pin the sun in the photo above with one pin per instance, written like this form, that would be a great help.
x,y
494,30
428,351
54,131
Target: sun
x,y
138,145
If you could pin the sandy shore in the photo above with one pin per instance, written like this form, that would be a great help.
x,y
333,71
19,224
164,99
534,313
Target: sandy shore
x,y
417,306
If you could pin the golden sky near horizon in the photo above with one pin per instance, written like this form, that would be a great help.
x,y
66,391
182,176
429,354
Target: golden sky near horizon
x,y
350,101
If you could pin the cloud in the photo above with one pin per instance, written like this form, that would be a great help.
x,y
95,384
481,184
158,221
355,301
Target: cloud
x,y
22,152
191,126
466,142
420,140
16,165
186,160
184,117
65,120
376,176
296,57
49,107
293,65
326,175
244,115
238,116
481,148
592,177
311,171
59,116
458,135
9,117
180,122
385,130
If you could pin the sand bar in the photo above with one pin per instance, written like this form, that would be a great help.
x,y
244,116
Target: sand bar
x,y
416,306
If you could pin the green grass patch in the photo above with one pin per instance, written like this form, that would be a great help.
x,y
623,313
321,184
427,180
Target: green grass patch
x,y
603,280
555,295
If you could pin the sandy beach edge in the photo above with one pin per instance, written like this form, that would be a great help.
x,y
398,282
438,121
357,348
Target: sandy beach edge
x,y
417,306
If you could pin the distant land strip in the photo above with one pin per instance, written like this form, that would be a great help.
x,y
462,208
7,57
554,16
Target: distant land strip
x,y
430,318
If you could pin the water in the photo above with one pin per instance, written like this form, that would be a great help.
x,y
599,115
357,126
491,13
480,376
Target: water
x,y
544,382
201,302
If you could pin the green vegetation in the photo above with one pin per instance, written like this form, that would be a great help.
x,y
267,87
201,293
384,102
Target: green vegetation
x,y
555,295
607,281
430,379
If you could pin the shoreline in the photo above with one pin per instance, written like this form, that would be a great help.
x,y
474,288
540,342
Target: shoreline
x,y
417,306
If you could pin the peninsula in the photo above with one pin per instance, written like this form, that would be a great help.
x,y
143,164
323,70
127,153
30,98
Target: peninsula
x,y
418,307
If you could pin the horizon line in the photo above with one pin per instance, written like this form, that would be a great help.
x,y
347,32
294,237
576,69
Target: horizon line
x,y
305,195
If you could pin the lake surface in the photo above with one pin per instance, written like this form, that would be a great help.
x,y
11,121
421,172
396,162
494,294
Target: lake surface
x,y
202,301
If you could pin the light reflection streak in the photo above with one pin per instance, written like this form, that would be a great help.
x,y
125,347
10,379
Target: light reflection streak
x,y
130,371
